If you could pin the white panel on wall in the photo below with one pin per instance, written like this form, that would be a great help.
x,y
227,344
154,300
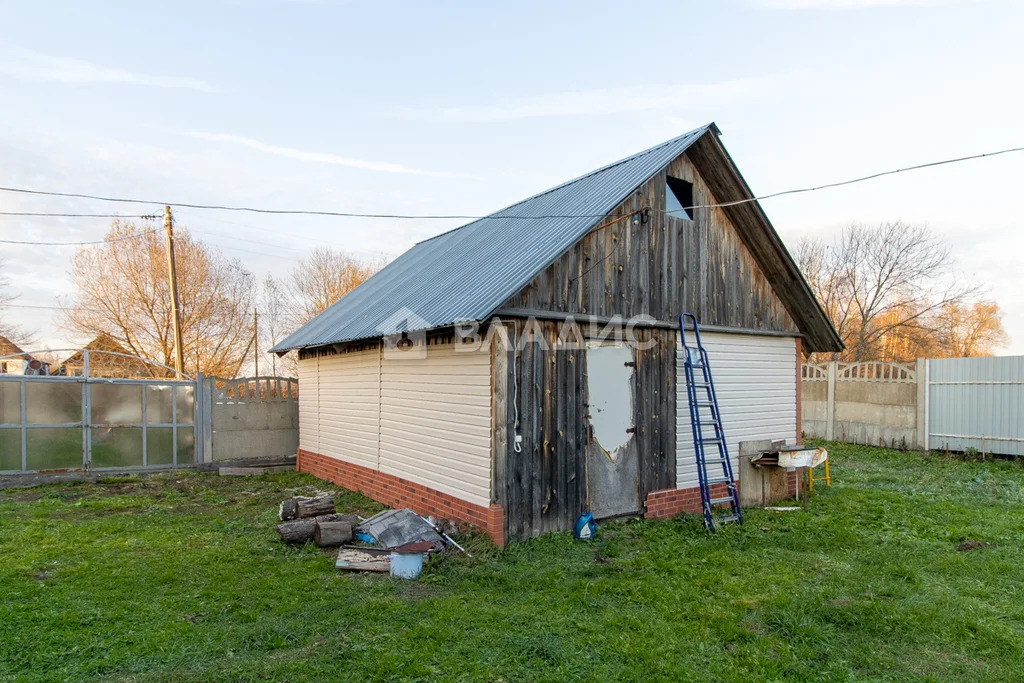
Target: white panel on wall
x,y
349,398
436,420
309,407
755,380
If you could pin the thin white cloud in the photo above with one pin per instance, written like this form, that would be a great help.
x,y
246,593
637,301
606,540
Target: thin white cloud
x,y
852,4
34,66
631,99
316,157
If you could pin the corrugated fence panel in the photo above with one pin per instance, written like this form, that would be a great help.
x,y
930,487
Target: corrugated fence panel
x,y
309,406
755,379
349,399
976,403
436,420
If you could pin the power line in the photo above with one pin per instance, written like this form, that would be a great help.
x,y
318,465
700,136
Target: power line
x,y
351,214
145,232
247,240
39,214
250,227
41,307
862,178
294,257
80,244
221,207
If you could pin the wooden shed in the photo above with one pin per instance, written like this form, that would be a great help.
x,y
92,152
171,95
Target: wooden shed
x,y
524,368
14,361
109,358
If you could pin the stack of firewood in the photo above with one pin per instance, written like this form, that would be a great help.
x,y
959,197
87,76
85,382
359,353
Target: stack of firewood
x,y
304,519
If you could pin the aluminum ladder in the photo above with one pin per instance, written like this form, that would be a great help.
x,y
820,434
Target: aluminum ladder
x,y
704,414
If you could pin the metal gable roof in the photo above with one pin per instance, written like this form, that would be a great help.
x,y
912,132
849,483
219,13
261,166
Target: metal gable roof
x,y
466,273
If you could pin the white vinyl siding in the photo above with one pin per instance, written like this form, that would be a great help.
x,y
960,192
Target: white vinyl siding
x,y
755,381
309,405
425,419
349,399
436,421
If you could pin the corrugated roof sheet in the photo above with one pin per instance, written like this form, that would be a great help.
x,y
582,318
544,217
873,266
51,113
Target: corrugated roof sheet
x,y
467,273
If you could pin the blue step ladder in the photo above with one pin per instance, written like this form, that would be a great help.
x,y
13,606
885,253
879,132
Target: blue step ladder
x,y
704,414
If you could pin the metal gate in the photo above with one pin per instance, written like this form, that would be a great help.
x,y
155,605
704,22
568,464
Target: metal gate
x,y
55,423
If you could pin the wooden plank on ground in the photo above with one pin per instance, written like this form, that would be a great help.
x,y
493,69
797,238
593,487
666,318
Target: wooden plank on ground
x,y
357,559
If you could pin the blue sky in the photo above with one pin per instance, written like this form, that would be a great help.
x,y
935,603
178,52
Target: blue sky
x,y
464,107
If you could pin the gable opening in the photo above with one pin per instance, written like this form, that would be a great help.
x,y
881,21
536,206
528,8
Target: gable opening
x,y
678,198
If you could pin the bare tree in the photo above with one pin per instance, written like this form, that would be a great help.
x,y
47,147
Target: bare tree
x,y
879,282
8,329
315,283
278,318
970,330
123,292
325,276
905,343
5,300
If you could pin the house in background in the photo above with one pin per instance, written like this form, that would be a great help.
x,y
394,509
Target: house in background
x,y
109,358
411,395
18,362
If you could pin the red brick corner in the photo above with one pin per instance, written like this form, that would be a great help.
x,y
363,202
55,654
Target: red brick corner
x,y
402,493
667,503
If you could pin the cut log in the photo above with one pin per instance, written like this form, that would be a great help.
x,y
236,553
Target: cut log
x,y
339,517
287,510
297,531
314,507
332,534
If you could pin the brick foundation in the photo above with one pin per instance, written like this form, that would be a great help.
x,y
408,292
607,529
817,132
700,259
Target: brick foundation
x,y
402,493
671,502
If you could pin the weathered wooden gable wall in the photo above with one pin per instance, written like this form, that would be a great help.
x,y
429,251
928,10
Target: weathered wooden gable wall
x,y
662,266
658,267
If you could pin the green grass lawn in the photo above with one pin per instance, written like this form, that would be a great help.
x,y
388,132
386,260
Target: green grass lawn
x,y
179,576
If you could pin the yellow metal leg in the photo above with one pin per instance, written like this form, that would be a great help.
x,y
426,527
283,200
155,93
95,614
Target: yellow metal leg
x,y
811,478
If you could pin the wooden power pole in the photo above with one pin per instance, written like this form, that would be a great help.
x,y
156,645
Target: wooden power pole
x,y
172,273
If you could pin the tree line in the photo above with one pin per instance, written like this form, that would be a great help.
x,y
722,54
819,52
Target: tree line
x,y
892,292
122,291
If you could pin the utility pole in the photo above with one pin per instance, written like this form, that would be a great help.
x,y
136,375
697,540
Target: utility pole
x,y
256,339
172,273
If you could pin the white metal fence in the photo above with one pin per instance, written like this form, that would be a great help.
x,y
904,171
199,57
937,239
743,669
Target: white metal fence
x,y
975,403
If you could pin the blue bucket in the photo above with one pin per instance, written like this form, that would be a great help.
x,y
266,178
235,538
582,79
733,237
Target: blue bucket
x,y
406,565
